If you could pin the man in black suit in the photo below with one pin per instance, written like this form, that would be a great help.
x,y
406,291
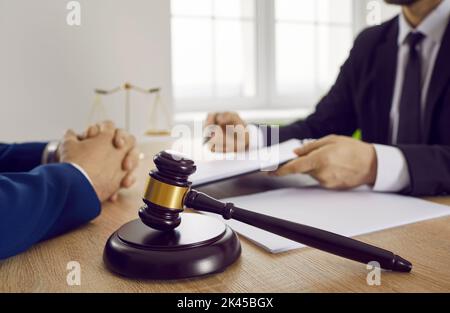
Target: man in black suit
x,y
395,87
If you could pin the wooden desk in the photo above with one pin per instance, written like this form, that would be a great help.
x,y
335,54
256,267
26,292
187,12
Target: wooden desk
x,y
43,268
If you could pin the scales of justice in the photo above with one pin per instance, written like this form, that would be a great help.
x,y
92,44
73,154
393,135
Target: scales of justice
x,y
159,117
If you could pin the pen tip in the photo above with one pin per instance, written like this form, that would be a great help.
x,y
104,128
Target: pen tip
x,y
401,265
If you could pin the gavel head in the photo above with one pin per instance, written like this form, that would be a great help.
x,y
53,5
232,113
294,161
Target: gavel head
x,y
166,189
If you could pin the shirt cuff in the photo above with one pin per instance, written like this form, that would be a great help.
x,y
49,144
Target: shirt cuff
x,y
256,137
79,168
392,169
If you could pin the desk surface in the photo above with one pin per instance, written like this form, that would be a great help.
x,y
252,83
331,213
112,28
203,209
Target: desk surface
x,y
43,268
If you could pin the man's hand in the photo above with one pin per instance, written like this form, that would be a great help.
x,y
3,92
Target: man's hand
x,y
121,138
98,157
235,139
337,162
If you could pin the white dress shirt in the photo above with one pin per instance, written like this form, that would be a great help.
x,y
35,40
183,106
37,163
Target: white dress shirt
x,y
392,174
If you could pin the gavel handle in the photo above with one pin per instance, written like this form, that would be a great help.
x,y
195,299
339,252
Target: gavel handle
x,y
310,236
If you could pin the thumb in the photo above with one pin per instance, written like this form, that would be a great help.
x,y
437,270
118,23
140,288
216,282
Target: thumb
x,y
297,166
312,145
210,119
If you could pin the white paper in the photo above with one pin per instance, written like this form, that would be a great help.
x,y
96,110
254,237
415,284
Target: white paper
x,y
348,213
230,165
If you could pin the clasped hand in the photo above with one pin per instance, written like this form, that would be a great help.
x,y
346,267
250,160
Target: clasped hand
x,y
108,156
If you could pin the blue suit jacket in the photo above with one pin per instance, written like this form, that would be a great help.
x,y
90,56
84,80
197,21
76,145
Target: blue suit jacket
x,y
39,202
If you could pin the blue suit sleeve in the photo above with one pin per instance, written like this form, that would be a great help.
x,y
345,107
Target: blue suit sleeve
x,y
43,203
20,157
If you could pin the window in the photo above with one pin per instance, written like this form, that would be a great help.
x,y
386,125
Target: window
x,y
245,54
312,40
213,44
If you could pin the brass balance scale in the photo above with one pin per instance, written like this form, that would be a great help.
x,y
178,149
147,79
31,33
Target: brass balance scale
x,y
157,111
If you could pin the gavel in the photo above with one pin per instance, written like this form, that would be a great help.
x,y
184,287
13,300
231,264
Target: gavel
x,y
168,193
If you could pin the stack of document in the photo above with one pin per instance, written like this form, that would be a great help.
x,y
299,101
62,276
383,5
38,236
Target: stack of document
x,y
348,213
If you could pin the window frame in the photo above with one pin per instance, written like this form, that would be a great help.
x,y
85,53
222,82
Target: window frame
x,y
266,97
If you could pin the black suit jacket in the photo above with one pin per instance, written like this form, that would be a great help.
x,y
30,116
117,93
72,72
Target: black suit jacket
x,y
362,96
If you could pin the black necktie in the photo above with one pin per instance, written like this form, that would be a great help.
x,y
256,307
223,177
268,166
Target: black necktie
x,y
410,122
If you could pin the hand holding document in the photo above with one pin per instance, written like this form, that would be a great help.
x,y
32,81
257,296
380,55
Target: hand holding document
x,y
349,213
223,166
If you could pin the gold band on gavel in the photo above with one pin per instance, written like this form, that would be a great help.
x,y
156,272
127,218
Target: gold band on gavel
x,y
165,195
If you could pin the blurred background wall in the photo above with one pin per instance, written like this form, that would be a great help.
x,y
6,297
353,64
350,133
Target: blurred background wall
x,y
270,59
48,70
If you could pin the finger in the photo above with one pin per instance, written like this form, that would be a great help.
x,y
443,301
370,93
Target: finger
x,y
90,132
225,118
129,141
210,119
123,139
299,165
131,160
120,138
128,180
217,142
314,145
114,197
93,131
107,127
223,142
326,180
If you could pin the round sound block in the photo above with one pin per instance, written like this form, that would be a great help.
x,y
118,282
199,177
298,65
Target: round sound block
x,y
201,245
